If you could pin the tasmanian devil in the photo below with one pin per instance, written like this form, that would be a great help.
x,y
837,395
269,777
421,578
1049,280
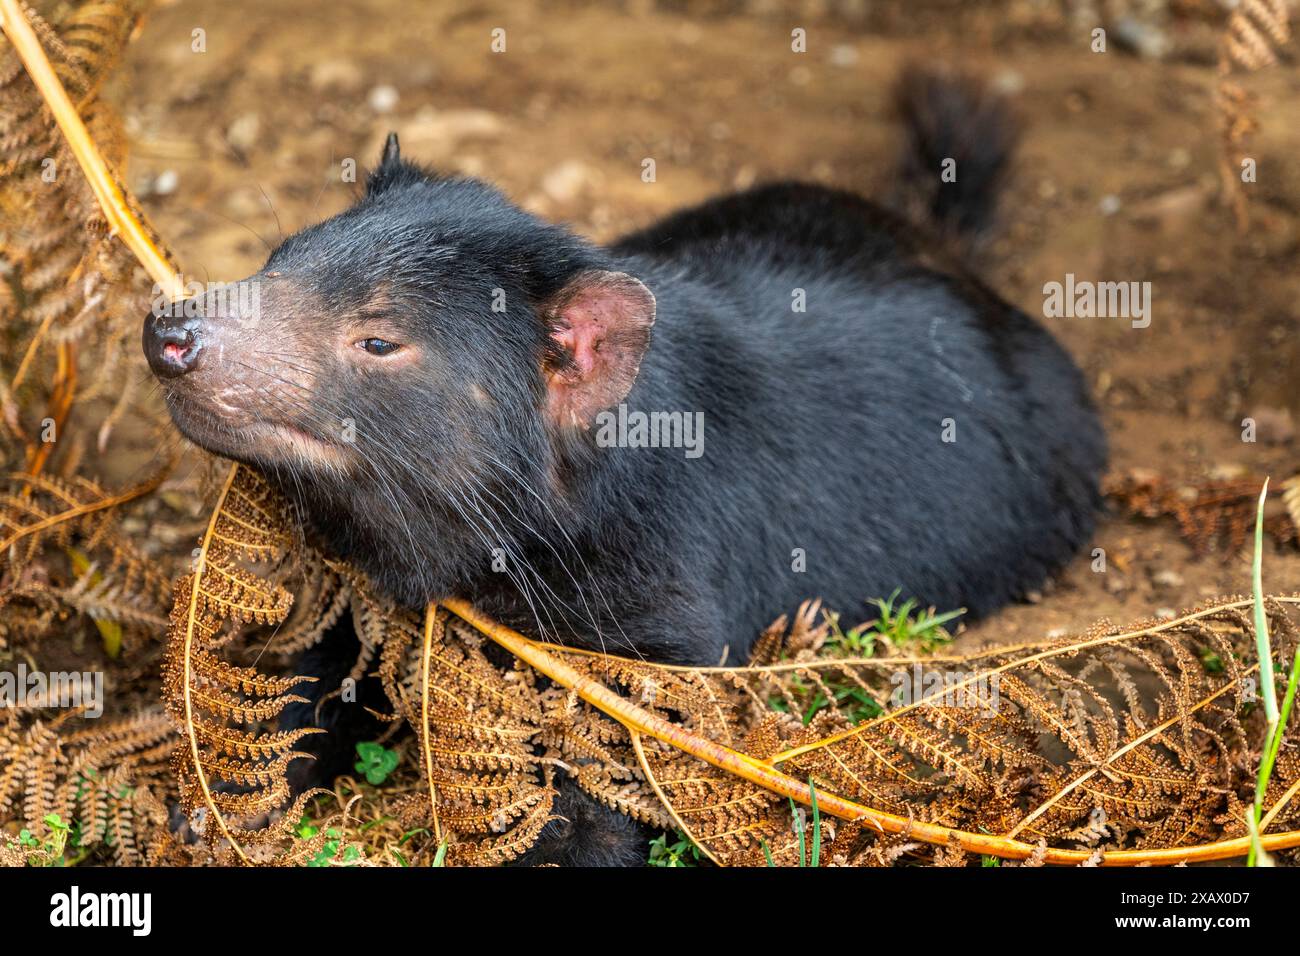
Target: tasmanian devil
x,y
657,446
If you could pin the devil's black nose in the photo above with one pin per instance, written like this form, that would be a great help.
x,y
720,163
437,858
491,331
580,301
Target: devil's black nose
x,y
172,343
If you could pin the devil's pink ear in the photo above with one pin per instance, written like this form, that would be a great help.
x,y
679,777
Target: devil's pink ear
x,y
600,329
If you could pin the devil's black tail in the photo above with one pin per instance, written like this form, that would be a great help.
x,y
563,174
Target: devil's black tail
x,y
959,137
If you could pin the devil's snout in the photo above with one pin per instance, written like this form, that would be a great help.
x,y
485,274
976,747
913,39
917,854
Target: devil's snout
x,y
173,341
176,333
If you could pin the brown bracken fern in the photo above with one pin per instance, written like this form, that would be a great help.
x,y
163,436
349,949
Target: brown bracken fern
x,y
1255,30
1209,514
66,560
43,518
106,778
476,725
230,769
68,298
1119,747
1122,746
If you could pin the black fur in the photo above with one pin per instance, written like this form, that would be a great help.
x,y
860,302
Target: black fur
x,y
344,713
823,430
586,833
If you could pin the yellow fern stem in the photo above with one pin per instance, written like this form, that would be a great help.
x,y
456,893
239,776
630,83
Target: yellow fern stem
x,y
187,686
642,722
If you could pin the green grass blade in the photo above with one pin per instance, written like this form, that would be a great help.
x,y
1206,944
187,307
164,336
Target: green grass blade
x,y
1267,685
1268,688
803,843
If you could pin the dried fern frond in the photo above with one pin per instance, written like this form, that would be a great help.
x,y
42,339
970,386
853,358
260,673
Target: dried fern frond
x,y
1255,30
1210,514
1130,723
66,327
475,726
72,280
103,781
1120,747
60,548
229,765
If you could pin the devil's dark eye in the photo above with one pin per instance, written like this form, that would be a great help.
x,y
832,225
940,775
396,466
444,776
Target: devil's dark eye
x,y
379,346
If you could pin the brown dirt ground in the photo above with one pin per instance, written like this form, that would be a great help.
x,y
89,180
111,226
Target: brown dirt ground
x,y
255,129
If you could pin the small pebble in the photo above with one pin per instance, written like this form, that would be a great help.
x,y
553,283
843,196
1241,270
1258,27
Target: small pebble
x,y
166,182
844,55
242,133
335,75
1167,579
1140,37
383,99
566,181
1008,82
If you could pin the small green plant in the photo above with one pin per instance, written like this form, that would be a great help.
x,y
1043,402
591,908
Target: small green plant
x,y
817,830
898,625
1276,718
852,701
49,851
859,641
681,852
325,856
375,762
334,840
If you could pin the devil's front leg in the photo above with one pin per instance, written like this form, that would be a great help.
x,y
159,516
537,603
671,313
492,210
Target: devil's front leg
x,y
587,833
